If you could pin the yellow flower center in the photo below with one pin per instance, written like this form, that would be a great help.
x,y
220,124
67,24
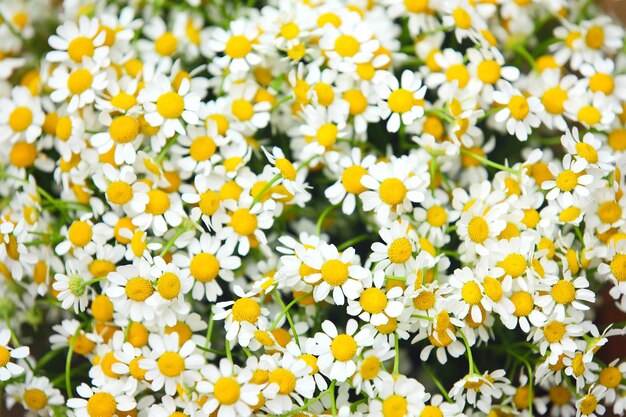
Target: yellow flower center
x,y
35,399
5,356
523,303
209,202
392,191
559,395
168,285
370,368
563,292
346,45
518,106
431,411
489,71
587,151
166,44
567,180
356,99
325,94
554,331
425,300
617,139
289,31
23,154
119,192
478,230
327,134
20,119
123,101
158,202
226,391
395,406
171,364
462,18
471,293
287,170
139,289
609,212
595,37
553,99
602,82
373,300
618,267
80,233
285,379
79,81
100,268
400,250
416,6
458,73
170,105
436,216
202,148
351,179
343,347
513,264
64,128
101,404
589,115
244,222
569,214
102,308
204,267
124,129
588,404
80,47
401,100
238,46
246,309
242,109
334,272
493,288
610,377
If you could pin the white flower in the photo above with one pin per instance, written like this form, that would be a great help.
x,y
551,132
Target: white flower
x,y
21,117
401,101
9,369
99,401
521,113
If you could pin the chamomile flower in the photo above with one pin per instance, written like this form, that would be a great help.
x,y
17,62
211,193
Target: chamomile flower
x,y
98,401
238,46
170,364
78,86
565,295
401,101
376,305
395,255
569,180
9,369
131,286
402,396
520,113
337,352
352,169
77,41
393,187
21,116
36,395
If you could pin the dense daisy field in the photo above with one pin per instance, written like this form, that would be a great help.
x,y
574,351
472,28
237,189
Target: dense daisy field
x,y
355,208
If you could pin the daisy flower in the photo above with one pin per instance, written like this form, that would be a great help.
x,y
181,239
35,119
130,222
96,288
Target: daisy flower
x,y
565,295
122,188
371,376
171,286
569,180
36,394
21,116
170,364
73,289
554,92
435,217
244,310
289,380
479,223
395,256
587,148
401,101
166,106
345,191
9,369
228,389
131,286
80,85
290,176
558,336
101,402
393,187
244,224
238,45
207,260
590,405
75,42
521,113
334,272
337,352
376,305
403,396
480,390
160,210
123,133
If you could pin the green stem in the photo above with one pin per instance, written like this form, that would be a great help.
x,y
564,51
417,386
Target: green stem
x,y
209,331
165,148
352,242
68,364
214,351
437,383
442,114
171,242
472,367
488,162
333,406
396,359
320,219
521,49
529,368
267,186
229,354
286,311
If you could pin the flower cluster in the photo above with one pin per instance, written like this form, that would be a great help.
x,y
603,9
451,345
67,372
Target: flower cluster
x,y
302,207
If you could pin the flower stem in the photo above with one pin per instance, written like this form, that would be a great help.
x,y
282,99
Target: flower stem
x,y
286,312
